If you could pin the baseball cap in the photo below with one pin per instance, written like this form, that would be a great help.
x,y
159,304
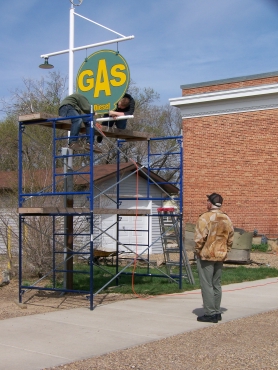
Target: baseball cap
x,y
215,199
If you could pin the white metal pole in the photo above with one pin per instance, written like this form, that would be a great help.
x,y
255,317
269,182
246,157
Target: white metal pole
x,y
89,46
113,119
71,47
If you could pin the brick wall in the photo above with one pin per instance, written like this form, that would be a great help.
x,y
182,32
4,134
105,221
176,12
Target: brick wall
x,y
235,155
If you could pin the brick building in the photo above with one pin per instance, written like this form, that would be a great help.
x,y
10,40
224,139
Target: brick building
x,y
230,130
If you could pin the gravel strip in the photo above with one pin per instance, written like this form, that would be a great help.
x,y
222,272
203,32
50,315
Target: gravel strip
x,y
249,343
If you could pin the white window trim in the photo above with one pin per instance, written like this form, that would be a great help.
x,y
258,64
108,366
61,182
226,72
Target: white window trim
x,y
247,99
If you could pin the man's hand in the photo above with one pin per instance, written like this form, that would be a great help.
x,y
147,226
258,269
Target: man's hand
x,y
196,254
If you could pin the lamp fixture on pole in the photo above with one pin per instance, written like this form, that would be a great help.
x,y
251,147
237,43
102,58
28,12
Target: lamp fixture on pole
x,y
46,65
70,51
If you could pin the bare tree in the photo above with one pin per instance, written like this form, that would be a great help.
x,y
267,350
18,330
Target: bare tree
x,y
43,95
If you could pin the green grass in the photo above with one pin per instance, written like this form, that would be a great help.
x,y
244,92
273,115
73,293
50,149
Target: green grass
x,y
240,274
151,285
259,247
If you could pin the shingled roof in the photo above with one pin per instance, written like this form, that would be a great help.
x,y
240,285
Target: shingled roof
x,y
42,178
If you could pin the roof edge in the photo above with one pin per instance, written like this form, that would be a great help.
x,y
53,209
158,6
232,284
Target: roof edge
x,y
230,80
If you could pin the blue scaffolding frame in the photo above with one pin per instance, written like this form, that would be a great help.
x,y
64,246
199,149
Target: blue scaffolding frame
x,y
70,212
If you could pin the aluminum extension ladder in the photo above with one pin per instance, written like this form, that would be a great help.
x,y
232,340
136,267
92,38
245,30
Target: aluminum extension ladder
x,y
172,244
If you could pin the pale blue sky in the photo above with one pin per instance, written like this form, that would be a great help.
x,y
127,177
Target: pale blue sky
x,y
176,42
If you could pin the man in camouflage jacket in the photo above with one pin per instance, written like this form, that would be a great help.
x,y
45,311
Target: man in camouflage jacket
x,y
213,240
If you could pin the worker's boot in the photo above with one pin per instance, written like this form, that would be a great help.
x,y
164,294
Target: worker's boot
x,y
75,146
208,318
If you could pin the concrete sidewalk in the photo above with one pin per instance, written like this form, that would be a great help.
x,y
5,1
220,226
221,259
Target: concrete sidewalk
x,y
51,339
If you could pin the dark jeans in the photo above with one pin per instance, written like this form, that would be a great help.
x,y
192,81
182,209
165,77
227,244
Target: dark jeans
x,y
119,124
69,111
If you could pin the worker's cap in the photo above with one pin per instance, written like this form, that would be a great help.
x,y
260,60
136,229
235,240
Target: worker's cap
x,y
215,199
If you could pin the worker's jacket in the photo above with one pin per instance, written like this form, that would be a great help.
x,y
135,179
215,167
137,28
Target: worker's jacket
x,y
213,235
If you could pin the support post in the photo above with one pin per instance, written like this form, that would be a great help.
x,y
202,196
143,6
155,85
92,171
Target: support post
x,y
68,221
71,47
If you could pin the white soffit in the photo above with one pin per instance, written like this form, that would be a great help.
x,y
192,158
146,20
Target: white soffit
x,y
228,101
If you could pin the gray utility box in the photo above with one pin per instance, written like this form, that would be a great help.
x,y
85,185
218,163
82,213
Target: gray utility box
x,y
188,236
241,248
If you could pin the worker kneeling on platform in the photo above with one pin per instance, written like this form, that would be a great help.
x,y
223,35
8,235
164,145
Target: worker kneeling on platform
x,y
72,106
125,107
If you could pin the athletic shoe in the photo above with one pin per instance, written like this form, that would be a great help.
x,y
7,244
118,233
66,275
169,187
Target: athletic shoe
x,y
87,147
96,149
75,146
